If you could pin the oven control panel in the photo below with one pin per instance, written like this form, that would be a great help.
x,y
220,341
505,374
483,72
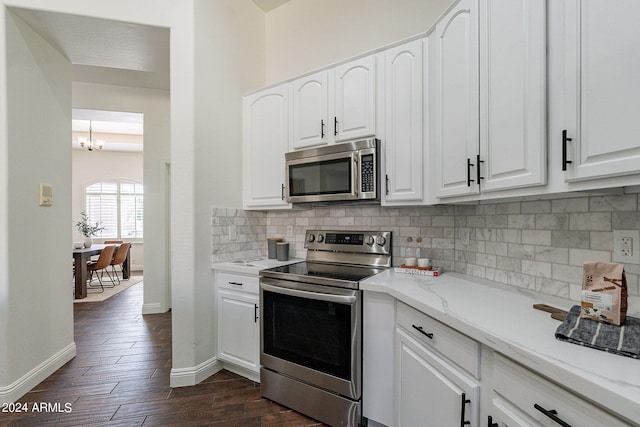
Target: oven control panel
x,y
371,242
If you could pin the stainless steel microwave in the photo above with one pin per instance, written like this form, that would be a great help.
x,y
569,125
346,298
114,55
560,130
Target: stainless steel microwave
x,y
348,171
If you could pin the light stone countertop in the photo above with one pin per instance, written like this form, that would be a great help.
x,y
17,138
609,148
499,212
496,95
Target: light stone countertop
x,y
503,319
252,266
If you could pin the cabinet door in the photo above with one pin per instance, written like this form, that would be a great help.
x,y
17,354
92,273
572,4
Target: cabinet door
x,y
602,96
265,140
355,99
512,93
403,119
238,329
430,391
310,95
455,107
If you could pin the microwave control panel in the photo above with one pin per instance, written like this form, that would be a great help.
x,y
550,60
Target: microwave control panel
x,y
367,174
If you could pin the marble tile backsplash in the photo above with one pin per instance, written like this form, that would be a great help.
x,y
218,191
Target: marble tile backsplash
x,y
534,245
250,241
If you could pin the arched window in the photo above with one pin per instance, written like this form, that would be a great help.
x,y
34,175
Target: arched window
x,y
118,205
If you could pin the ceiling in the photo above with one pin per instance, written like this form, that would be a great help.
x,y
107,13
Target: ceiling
x,y
268,5
105,51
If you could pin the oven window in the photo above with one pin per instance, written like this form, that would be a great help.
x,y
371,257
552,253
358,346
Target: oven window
x,y
326,177
312,333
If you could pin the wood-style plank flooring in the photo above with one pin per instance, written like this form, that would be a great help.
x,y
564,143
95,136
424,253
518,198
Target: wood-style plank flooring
x,y
120,377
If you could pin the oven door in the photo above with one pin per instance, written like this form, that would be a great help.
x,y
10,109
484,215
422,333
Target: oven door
x,y
324,178
312,333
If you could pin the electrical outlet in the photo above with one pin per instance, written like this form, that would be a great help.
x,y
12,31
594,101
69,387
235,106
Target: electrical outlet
x,y
289,230
233,232
626,246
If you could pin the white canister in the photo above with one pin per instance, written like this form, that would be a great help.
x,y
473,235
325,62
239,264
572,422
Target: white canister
x,y
424,262
410,262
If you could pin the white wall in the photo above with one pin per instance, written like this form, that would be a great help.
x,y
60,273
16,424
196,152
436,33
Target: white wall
x,y
155,105
228,34
36,302
305,35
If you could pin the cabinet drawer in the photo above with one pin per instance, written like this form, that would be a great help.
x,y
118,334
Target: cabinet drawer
x,y
455,346
238,282
520,392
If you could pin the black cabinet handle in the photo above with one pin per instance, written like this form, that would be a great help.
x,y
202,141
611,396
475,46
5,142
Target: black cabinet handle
x,y
335,126
386,177
565,162
235,283
469,180
282,192
553,414
419,329
322,129
255,313
464,402
478,161
490,422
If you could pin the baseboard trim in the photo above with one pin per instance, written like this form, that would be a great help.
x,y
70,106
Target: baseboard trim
x,y
24,384
243,372
153,308
184,377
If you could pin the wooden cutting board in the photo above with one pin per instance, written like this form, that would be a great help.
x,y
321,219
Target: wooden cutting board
x,y
556,313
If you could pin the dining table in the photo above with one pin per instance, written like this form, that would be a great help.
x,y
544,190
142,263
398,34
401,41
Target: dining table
x,y
82,256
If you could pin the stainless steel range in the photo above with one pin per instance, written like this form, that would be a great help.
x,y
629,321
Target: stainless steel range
x,y
311,324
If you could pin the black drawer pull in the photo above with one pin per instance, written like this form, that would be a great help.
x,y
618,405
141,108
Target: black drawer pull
x,y
255,313
419,329
553,414
464,402
321,129
478,161
490,422
235,283
469,180
565,162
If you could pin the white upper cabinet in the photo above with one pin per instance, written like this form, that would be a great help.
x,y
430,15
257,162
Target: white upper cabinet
x,y
455,108
335,105
265,140
512,94
489,98
602,92
403,70
310,98
355,99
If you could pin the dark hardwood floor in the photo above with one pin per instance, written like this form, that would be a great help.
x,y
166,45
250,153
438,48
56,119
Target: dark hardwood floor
x,y
120,377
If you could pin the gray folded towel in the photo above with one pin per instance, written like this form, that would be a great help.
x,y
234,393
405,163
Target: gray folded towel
x,y
623,340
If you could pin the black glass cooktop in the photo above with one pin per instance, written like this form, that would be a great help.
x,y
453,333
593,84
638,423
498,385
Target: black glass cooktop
x,y
322,273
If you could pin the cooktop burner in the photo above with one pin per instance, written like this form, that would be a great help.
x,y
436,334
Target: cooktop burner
x,y
305,270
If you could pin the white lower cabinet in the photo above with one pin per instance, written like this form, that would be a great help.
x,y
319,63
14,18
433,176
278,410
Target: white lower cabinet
x,y
520,397
430,388
238,323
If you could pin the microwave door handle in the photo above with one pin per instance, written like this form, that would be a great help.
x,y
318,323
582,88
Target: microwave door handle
x,y
356,176
340,299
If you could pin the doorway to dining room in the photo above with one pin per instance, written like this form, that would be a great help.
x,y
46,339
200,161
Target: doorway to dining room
x,y
108,177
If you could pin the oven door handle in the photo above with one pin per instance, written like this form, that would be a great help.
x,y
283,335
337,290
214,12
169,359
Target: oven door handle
x,y
340,299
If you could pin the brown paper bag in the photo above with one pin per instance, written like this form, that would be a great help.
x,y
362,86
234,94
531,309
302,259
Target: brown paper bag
x,y
604,292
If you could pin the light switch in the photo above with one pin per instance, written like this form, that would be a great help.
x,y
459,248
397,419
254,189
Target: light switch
x,y
46,195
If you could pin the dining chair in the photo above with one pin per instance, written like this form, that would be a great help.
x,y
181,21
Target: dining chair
x,y
103,262
119,259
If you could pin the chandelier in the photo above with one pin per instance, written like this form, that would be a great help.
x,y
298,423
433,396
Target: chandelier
x,y
90,144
